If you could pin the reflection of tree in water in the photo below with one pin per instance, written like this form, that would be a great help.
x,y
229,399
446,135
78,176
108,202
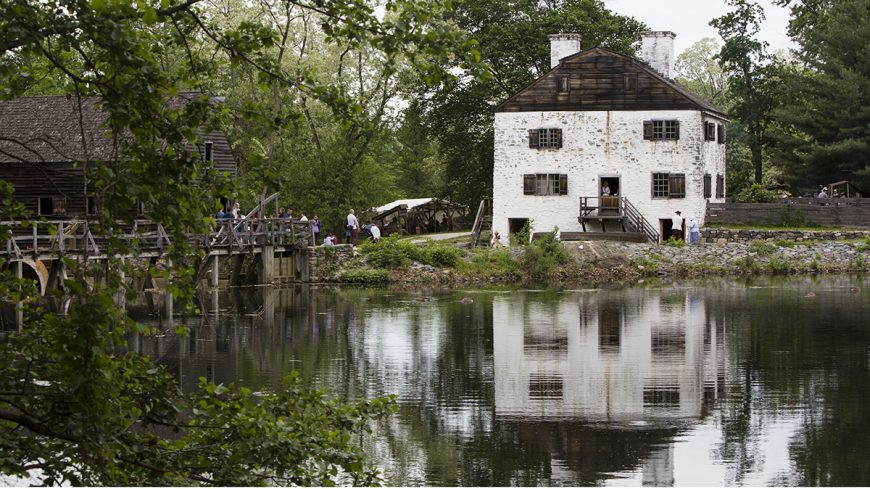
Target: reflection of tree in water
x,y
788,352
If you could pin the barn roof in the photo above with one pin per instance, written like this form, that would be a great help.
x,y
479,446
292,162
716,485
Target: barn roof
x,y
598,82
53,129
58,128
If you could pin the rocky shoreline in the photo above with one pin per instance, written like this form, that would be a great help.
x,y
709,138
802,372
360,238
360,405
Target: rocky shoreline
x,y
721,252
610,261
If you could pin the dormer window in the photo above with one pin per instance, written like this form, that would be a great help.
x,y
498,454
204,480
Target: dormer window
x,y
630,81
564,84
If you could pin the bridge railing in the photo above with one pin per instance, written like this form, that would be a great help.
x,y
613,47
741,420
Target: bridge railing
x,y
83,238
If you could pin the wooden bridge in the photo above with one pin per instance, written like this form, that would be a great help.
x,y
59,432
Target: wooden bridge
x,y
41,245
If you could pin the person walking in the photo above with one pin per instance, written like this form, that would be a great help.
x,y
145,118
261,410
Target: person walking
x,y
677,226
352,226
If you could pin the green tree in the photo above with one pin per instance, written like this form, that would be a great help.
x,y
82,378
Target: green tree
x,y
698,70
828,113
514,44
750,82
75,406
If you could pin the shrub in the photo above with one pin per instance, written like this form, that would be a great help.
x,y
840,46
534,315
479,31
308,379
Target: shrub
x,y
785,243
864,245
363,276
758,194
439,255
762,247
676,243
490,261
543,254
390,252
779,265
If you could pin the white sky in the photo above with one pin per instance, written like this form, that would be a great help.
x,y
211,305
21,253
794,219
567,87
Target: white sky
x,y
690,19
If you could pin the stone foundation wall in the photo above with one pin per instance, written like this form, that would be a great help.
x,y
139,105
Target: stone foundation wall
x,y
323,259
723,236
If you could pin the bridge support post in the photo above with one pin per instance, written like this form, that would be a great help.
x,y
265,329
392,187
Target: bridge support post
x,y
168,299
305,263
56,275
213,278
19,307
267,264
238,261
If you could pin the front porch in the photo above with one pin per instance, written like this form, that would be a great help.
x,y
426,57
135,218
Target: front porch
x,y
617,213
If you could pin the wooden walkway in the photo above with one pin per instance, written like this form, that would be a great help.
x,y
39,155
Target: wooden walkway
x,y
42,246
46,240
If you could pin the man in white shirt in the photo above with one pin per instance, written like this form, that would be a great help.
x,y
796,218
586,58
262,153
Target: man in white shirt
x,y
677,226
352,225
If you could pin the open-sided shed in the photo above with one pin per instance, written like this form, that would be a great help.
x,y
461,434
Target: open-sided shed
x,y
416,216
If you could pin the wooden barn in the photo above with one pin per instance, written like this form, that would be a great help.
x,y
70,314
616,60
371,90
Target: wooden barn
x,y
47,144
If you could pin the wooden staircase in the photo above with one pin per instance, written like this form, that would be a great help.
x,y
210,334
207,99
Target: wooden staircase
x,y
615,210
482,221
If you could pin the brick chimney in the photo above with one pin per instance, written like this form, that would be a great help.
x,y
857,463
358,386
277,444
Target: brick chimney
x,y
562,46
657,50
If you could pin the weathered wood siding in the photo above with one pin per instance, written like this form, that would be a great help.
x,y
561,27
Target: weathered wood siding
x,y
597,81
35,180
819,212
222,154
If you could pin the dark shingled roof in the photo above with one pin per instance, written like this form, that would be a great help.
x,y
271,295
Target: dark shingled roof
x,y
50,129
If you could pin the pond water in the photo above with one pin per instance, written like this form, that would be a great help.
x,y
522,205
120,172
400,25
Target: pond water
x,y
722,382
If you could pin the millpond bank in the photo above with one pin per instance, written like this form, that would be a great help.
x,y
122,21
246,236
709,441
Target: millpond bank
x,y
732,252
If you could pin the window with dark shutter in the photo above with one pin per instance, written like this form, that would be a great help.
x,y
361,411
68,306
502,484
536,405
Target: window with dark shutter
x,y
720,132
545,184
708,184
710,131
545,138
209,151
529,185
720,186
91,206
661,130
669,185
534,138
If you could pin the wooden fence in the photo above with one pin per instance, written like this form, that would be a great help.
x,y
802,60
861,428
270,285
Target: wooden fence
x,y
803,211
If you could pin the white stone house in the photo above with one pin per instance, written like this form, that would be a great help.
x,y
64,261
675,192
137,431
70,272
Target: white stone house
x,y
602,117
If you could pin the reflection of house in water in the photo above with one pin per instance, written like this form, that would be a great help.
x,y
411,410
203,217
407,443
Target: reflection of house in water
x,y
634,365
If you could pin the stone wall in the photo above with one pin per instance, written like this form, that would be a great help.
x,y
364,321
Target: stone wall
x,y
323,259
722,236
